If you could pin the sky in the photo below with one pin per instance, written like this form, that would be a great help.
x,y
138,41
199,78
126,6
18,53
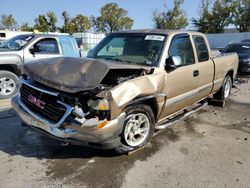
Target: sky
x,y
139,10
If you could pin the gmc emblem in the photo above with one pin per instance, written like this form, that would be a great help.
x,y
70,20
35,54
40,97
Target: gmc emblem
x,y
37,102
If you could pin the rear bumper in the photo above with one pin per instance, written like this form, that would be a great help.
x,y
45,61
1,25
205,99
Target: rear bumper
x,y
106,137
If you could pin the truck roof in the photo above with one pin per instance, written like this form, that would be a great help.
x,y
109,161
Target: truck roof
x,y
42,35
48,35
160,31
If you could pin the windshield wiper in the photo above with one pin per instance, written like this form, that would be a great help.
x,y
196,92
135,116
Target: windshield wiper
x,y
117,59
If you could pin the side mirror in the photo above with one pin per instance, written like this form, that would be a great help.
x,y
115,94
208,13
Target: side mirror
x,y
173,62
35,49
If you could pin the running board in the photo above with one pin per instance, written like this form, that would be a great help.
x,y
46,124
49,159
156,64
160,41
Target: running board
x,y
180,117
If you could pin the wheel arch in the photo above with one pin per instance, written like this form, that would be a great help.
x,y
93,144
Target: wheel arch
x,y
11,68
151,101
230,73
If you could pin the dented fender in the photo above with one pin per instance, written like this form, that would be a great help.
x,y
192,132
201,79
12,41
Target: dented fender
x,y
138,89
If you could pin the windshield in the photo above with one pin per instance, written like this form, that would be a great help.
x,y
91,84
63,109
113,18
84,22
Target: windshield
x,y
17,42
239,48
141,49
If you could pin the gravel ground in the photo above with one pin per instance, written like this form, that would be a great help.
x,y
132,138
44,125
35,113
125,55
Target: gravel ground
x,y
209,149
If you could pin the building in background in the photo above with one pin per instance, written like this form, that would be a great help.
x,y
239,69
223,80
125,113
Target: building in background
x,y
7,34
219,41
87,41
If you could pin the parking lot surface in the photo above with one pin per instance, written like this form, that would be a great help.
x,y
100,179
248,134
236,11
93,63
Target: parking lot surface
x,y
208,149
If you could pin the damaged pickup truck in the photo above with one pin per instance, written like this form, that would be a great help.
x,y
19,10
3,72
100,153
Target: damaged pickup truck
x,y
131,84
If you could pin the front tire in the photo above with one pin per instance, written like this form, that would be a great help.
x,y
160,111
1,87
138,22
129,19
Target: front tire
x,y
8,84
138,128
224,93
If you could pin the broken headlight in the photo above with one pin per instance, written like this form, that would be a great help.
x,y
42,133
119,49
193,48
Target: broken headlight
x,y
99,108
99,104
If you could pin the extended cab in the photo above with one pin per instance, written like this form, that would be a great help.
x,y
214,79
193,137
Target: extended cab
x,y
25,48
131,84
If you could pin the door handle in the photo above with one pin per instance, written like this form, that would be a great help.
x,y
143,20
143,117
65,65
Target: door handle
x,y
196,73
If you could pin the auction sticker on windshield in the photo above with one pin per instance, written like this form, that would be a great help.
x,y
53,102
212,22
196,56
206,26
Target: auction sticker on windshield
x,y
155,37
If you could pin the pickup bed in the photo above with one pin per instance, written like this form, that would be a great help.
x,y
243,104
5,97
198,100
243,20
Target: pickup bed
x,y
28,47
131,84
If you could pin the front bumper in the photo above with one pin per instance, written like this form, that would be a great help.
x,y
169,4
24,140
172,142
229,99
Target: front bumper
x,y
106,137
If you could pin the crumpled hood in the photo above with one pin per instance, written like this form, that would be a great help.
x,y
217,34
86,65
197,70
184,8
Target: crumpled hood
x,y
72,74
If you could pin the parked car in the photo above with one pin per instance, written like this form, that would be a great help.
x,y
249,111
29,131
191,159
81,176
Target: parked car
x,y
246,40
243,51
24,48
131,84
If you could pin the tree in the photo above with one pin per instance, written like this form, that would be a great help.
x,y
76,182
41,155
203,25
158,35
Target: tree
x,y
81,23
8,22
46,23
112,18
171,19
41,23
241,15
66,17
66,20
202,23
217,19
25,27
67,27
221,15
52,19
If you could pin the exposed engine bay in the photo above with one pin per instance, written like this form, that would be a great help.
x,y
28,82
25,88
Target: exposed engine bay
x,y
85,90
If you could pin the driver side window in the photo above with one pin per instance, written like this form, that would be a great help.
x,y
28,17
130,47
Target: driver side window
x,y
46,46
181,46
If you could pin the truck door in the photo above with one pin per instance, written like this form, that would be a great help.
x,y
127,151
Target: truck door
x,y
204,65
182,82
44,48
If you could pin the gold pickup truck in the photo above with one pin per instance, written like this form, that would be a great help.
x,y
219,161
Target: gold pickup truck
x,y
131,84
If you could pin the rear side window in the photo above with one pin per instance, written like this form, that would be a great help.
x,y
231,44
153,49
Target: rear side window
x,y
181,46
201,48
69,46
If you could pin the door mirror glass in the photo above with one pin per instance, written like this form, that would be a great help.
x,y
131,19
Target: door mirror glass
x,y
173,62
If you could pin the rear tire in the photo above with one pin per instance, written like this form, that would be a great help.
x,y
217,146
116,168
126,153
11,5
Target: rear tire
x,y
8,84
224,93
138,128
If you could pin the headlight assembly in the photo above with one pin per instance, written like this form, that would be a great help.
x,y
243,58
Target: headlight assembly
x,y
99,104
